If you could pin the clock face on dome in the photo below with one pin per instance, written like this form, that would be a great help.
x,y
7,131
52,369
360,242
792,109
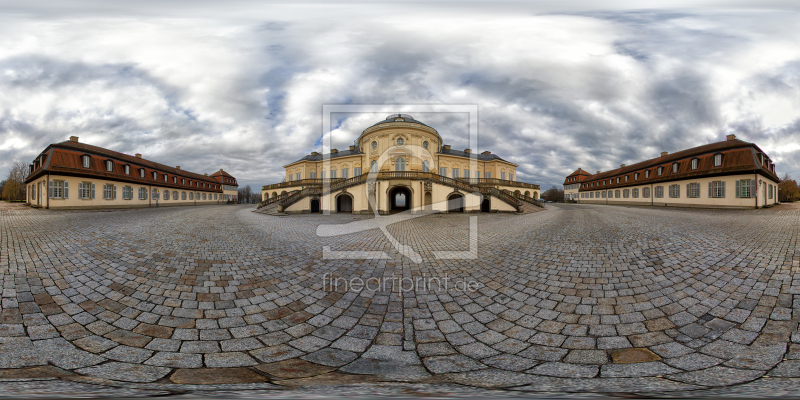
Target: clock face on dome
x,y
399,141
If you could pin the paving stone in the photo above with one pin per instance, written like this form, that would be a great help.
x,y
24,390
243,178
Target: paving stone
x,y
586,357
228,360
128,354
693,361
510,362
565,370
176,360
716,376
215,376
491,378
294,368
452,363
786,369
331,357
543,353
388,369
634,355
125,372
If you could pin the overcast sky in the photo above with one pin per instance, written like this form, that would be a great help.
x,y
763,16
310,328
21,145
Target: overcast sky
x,y
240,85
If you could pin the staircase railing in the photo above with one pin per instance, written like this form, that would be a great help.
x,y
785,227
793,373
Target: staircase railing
x,y
275,199
527,199
297,196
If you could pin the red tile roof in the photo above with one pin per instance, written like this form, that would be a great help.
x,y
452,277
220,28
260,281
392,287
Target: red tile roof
x,y
65,158
578,176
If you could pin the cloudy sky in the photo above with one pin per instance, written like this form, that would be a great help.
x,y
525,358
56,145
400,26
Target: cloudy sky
x,y
240,85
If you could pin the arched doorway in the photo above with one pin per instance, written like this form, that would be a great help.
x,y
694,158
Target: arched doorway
x,y
486,204
455,202
344,203
314,205
428,201
517,192
527,193
399,199
535,195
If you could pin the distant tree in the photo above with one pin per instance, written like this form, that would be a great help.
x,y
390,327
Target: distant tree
x,y
14,185
246,194
788,189
2,184
553,194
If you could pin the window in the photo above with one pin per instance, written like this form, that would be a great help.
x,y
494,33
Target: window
x,y
443,171
127,169
141,172
333,174
426,166
716,189
57,190
626,193
374,145
636,176
109,192
154,194
746,188
345,173
695,164
674,168
191,195
155,175
675,191
510,176
357,171
85,190
660,171
373,166
425,144
617,179
165,178
174,195
183,195
166,195
215,196
399,141
770,191
503,175
693,190
646,193
204,196
616,193
142,193
455,172
659,192
466,173
718,160
400,163
626,178
323,174
183,181
174,179
646,174
289,178
86,161
312,175
109,165
635,193
487,174
127,193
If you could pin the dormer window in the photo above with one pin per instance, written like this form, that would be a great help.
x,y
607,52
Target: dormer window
x,y
183,181
109,165
86,161
141,172
166,178
695,164
127,169
674,168
718,160
174,179
660,171
646,174
626,178
155,175
617,179
636,176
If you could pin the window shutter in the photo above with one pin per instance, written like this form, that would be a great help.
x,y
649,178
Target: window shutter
x,y
93,191
66,189
688,190
710,193
114,192
738,190
678,191
80,190
752,188
722,189
49,189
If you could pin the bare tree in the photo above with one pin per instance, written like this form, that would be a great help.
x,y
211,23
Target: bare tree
x,y
14,186
553,194
788,189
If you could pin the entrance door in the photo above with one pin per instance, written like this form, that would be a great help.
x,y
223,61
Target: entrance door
x,y
455,203
314,205
399,199
344,204
486,204
39,194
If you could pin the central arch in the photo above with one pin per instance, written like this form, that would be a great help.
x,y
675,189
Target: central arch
x,y
315,205
486,204
399,199
455,202
344,203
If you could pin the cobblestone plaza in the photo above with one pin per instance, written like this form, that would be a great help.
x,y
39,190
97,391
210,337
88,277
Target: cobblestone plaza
x,y
575,298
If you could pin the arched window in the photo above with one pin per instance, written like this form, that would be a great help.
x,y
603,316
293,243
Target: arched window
x,y
400,164
426,166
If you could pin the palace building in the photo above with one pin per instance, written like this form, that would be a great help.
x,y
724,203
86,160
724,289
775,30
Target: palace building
x,y
732,173
71,175
413,169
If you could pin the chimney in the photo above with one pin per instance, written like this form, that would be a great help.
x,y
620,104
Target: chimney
x,y
446,147
598,172
314,153
138,155
664,154
729,137
622,165
334,151
178,167
205,174
468,151
352,148
220,170
73,139
487,152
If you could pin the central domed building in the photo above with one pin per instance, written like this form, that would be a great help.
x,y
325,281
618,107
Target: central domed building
x,y
413,170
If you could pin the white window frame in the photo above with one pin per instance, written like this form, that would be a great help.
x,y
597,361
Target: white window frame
x,y
693,190
455,173
718,160
717,189
86,161
695,164
127,169
675,191
675,168
109,165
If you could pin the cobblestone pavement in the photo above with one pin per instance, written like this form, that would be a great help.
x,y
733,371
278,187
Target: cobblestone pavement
x,y
577,299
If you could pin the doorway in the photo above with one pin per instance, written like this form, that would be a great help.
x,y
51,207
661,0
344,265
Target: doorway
x,y
399,199
455,202
314,205
344,204
486,204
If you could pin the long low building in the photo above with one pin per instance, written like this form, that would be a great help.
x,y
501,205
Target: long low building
x,y
728,174
70,175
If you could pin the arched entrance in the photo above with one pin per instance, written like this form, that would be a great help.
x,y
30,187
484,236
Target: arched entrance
x,y
314,205
486,204
428,201
344,203
527,193
535,195
399,199
455,202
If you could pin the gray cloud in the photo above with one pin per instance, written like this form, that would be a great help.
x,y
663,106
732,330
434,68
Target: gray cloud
x,y
214,88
